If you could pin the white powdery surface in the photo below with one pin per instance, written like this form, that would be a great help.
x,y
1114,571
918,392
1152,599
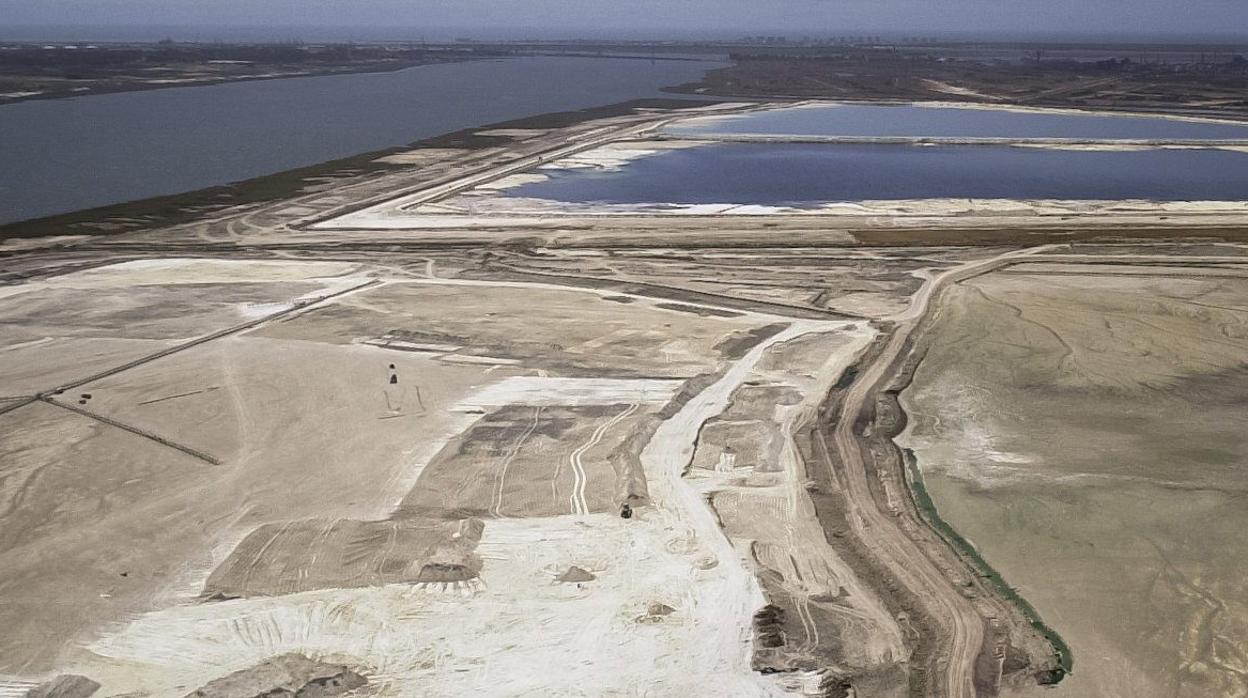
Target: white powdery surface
x,y
11,687
252,311
508,182
704,122
517,633
734,594
615,156
485,209
612,157
537,390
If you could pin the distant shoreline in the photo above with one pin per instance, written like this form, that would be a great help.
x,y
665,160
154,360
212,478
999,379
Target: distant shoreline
x,y
104,89
443,56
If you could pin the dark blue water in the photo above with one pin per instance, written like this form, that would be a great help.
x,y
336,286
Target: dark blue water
x,y
64,155
797,174
949,122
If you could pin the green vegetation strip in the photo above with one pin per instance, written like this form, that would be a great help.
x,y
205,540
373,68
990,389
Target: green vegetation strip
x,y
927,508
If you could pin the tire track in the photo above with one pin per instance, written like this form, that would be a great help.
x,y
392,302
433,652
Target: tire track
x,y
497,506
577,499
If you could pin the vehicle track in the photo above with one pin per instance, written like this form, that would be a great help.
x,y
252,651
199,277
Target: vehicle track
x,y
579,479
497,507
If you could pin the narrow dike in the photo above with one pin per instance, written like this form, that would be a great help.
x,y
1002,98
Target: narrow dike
x,y
927,512
1061,659
1020,647
831,509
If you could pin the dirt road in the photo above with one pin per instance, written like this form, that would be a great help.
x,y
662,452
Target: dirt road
x,y
909,564
726,613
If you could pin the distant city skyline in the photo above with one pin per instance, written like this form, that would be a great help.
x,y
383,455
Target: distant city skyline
x,y
513,19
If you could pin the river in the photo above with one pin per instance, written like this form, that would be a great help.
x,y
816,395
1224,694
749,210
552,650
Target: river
x,y
72,154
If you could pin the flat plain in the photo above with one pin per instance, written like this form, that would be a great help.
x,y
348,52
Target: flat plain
x,y
1086,433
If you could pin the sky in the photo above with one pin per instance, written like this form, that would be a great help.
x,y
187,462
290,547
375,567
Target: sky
x,y
440,19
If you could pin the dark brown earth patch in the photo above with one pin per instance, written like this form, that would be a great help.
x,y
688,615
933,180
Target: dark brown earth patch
x,y
702,311
285,676
534,461
65,686
327,554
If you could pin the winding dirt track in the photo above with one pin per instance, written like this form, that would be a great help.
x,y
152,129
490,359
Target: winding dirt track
x,y
897,551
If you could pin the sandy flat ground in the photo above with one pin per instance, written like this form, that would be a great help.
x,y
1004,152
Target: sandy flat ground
x,y
308,429
69,327
43,363
576,332
245,401
486,637
95,512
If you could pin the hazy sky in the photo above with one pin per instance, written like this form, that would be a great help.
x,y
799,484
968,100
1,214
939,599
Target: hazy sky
x,y
1106,18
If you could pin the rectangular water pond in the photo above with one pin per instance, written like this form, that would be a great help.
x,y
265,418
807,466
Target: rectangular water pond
x,y
904,121
807,175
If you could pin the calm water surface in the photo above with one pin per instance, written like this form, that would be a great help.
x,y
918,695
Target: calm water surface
x,y
803,174
65,155
950,122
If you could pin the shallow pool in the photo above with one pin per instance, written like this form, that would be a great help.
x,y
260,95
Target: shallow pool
x,y
858,120
806,175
